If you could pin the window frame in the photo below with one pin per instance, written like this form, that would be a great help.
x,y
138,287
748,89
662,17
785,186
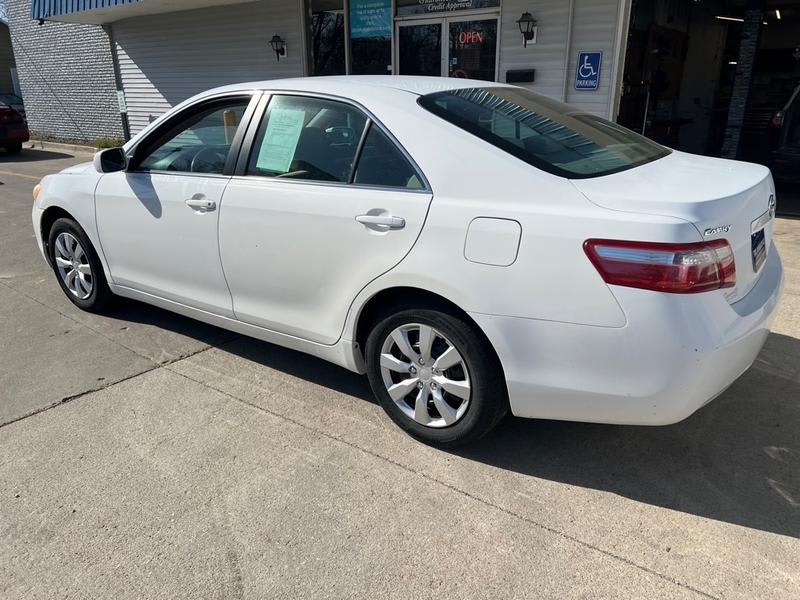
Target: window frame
x,y
174,123
248,146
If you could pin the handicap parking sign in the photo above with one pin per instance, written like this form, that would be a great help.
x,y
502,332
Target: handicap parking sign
x,y
587,74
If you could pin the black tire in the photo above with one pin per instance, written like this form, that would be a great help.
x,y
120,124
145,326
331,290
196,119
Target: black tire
x,y
488,401
14,148
100,297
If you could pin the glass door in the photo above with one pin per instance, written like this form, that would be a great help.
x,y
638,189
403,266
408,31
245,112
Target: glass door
x,y
472,49
420,48
464,47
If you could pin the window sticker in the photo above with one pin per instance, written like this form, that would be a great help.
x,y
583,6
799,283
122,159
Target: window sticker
x,y
280,140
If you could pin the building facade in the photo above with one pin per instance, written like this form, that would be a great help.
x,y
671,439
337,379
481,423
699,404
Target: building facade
x,y
66,76
717,77
164,56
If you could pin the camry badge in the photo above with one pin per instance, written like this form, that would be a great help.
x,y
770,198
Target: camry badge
x,y
716,230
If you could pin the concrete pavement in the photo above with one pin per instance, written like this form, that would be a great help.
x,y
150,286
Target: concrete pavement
x,y
143,455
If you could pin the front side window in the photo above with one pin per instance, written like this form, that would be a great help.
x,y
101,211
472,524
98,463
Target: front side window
x,y
307,138
547,134
200,144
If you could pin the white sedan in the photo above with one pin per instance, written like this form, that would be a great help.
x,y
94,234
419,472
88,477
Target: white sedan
x,y
473,247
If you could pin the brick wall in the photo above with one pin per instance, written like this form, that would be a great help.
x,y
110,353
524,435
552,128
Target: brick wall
x,y
66,76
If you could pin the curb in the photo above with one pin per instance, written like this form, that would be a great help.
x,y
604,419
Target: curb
x,y
42,145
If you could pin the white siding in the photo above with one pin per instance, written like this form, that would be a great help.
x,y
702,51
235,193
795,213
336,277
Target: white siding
x,y
594,27
547,54
167,58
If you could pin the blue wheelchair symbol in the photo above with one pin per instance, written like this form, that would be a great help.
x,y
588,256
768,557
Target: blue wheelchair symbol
x,y
587,73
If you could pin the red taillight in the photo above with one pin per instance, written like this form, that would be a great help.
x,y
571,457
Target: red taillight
x,y
9,115
674,268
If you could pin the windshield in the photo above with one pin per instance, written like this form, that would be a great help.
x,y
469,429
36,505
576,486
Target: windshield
x,y
547,134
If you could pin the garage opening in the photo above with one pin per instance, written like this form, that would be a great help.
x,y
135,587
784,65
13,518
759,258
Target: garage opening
x,y
720,78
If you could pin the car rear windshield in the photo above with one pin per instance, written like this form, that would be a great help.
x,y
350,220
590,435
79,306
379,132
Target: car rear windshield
x,y
547,134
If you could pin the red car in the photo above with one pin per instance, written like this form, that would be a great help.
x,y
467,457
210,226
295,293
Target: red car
x,y
13,129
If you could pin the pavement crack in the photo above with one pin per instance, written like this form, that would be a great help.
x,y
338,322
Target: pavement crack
x,y
564,535
74,320
108,384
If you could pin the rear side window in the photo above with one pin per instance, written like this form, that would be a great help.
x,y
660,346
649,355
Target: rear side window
x,y
383,164
544,133
307,138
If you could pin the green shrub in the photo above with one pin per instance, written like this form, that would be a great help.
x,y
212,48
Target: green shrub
x,y
101,143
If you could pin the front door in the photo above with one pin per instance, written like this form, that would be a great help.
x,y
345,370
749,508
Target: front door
x,y
310,219
463,47
158,220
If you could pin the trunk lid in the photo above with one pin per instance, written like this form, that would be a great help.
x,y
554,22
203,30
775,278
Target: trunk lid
x,y
723,199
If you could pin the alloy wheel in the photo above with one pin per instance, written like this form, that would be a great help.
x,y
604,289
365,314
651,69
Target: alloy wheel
x,y
425,375
73,266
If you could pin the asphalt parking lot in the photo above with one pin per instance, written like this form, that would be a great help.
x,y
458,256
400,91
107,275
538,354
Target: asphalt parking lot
x,y
144,455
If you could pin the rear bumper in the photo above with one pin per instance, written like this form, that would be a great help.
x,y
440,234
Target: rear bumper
x,y
674,355
12,135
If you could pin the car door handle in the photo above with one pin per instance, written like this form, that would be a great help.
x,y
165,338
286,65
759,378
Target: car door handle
x,y
382,220
201,204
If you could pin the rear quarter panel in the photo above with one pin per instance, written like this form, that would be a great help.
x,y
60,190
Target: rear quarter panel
x,y
551,279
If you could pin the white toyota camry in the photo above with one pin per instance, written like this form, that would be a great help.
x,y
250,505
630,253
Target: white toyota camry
x,y
472,247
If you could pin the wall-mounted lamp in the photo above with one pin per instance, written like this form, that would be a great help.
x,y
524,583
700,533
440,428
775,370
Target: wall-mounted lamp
x,y
279,45
528,28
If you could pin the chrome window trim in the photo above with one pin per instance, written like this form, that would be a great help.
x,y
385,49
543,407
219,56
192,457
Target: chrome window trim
x,y
255,124
236,144
337,184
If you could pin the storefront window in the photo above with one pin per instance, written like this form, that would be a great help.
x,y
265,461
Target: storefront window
x,y
473,49
326,35
424,7
370,36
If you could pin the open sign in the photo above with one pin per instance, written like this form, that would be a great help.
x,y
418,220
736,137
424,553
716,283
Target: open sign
x,y
470,37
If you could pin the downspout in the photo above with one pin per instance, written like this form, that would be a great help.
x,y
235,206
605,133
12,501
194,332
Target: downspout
x,y
126,128
568,49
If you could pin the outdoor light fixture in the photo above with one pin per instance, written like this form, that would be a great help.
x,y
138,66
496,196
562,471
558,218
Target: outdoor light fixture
x,y
527,27
279,45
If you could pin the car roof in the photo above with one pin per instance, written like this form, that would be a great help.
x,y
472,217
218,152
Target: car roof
x,y
361,84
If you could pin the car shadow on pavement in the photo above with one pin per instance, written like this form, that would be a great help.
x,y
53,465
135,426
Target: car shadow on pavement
x,y
291,362
34,155
735,460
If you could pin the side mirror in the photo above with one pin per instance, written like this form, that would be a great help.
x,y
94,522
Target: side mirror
x,y
110,160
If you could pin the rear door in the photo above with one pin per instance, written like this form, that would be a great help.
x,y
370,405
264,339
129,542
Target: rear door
x,y
324,201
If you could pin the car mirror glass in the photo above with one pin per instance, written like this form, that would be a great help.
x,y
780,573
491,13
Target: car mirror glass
x,y
110,160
